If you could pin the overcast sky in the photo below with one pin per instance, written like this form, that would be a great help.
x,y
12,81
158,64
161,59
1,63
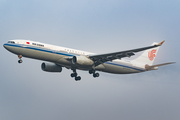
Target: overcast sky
x,y
99,26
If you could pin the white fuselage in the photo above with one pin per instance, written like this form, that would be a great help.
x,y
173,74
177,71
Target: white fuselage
x,y
62,56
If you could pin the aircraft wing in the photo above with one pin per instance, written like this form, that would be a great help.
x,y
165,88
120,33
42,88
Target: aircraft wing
x,y
101,58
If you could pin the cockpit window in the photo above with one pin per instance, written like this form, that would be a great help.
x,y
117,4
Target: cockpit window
x,y
11,42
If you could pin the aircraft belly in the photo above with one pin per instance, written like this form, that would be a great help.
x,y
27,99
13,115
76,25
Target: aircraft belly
x,y
64,62
41,55
68,64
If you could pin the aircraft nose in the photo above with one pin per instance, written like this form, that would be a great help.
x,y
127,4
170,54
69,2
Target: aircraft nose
x,y
5,46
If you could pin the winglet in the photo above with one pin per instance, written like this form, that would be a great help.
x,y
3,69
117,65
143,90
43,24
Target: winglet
x,y
161,43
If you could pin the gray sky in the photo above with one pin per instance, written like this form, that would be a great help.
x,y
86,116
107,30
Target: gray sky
x,y
99,26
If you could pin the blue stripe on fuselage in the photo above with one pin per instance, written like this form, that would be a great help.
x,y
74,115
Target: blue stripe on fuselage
x,y
39,49
117,64
65,54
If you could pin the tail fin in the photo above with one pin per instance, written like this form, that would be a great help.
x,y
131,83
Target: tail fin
x,y
148,57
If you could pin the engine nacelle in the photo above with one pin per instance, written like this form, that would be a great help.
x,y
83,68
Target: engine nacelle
x,y
51,67
82,60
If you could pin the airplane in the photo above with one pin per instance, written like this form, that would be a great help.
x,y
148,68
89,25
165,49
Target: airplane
x,y
58,57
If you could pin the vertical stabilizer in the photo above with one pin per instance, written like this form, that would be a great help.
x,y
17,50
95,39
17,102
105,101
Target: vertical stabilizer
x,y
148,57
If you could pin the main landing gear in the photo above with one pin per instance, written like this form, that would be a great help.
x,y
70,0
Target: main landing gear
x,y
94,74
74,74
77,78
20,60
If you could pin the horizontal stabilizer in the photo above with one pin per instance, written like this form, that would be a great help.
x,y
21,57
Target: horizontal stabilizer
x,y
155,67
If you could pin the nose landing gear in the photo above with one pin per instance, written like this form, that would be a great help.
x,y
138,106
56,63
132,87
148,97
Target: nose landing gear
x,y
20,60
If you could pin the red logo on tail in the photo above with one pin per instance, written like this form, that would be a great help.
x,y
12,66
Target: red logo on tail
x,y
151,54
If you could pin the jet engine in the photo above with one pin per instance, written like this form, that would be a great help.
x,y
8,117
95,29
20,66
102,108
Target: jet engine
x,y
51,67
82,60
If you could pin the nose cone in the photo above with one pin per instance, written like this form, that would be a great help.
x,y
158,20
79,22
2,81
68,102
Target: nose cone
x,y
5,46
8,47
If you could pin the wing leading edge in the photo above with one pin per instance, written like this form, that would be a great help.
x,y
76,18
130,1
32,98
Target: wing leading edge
x,y
101,58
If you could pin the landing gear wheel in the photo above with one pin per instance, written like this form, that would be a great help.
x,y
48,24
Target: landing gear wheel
x,y
96,75
20,61
91,71
78,78
74,75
